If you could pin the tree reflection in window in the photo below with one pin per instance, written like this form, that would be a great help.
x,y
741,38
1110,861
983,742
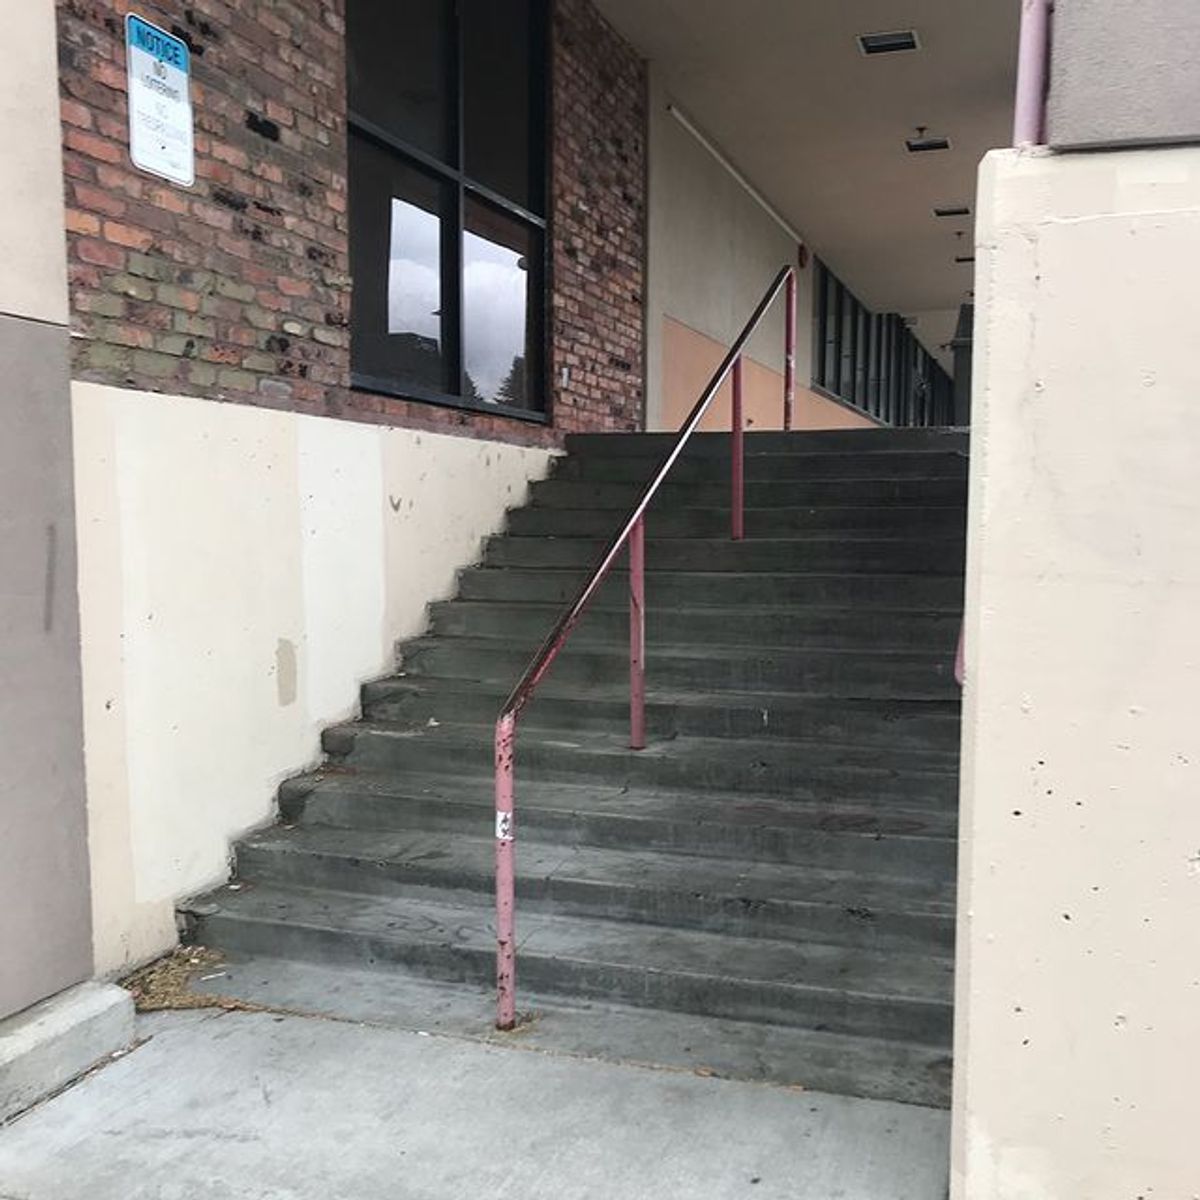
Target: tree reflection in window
x,y
496,293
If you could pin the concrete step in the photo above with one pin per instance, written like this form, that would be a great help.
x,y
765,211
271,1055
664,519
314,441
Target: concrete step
x,y
877,840
841,989
878,727
849,522
790,494
874,674
833,441
766,466
739,897
786,1056
828,628
720,589
792,769
451,719
890,556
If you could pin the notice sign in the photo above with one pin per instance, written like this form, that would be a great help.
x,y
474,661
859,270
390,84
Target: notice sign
x,y
160,106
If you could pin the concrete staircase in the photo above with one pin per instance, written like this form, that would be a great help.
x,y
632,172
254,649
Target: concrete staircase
x,y
781,854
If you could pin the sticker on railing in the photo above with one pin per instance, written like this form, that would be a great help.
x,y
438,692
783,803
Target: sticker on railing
x,y
504,827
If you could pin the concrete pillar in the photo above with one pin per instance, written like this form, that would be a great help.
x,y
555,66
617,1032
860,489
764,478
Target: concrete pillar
x,y
45,914
1079,950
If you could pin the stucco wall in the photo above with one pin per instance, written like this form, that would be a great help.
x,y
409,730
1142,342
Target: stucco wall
x,y
1124,73
243,570
1079,945
712,253
44,930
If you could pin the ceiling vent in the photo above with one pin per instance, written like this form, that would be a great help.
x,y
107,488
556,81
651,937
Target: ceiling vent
x,y
923,144
952,210
888,43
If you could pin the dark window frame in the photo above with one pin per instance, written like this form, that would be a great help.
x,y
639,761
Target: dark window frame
x,y
871,362
454,232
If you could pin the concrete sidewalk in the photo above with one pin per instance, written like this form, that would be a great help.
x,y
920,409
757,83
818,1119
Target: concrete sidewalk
x,y
251,1106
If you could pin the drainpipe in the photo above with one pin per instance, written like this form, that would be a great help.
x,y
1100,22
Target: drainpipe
x,y
1033,61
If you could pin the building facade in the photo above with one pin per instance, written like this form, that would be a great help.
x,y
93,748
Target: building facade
x,y
263,412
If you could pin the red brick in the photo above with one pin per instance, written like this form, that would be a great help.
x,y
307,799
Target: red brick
x,y
85,223
100,254
127,235
74,113
92,145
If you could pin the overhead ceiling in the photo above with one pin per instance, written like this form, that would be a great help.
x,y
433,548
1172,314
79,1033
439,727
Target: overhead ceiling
x,y
783,89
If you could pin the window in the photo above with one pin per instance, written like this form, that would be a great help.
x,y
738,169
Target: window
x,y
873,362
447,200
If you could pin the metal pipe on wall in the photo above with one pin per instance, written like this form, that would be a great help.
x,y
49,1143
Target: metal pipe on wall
x,y
1033,66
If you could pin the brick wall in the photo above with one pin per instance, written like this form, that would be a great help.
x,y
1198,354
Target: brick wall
x,y
237,289
598,169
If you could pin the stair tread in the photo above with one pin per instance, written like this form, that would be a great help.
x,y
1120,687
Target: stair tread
x,y
663,649
947,709
772,540
787,1055
748,610
615,801
916,978
891,577
615,745
549,701
744,879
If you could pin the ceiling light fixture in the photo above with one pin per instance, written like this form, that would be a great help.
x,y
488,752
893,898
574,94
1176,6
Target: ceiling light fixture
x,y
888,43
922,143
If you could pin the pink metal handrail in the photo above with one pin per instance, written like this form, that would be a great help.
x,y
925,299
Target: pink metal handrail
x,y
633,531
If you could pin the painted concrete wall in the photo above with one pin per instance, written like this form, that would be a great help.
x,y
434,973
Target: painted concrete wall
x,y
1124,73
242,572
45,933
712,253
689,360
33,262
1079,939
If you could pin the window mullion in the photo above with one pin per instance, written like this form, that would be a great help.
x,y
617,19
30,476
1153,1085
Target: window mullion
x,y
455,284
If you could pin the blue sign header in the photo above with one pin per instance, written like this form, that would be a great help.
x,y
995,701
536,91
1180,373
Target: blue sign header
x,y
165,47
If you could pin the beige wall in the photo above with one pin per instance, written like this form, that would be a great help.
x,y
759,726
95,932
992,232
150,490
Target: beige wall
x,y
242,572
1078,1009
689,360
712,253
33,261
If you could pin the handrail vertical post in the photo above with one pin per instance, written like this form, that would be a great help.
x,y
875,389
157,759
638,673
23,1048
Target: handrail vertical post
x,y
789,359
506,958
637,635
738,457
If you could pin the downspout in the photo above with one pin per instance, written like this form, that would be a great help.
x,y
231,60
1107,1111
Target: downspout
x,y
1033,64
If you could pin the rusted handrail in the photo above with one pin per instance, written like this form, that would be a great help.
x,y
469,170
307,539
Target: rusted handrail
x,y
632,530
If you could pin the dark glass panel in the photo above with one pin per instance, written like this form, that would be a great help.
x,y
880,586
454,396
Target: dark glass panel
x,y
501,286
399,59
502,78
396,258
